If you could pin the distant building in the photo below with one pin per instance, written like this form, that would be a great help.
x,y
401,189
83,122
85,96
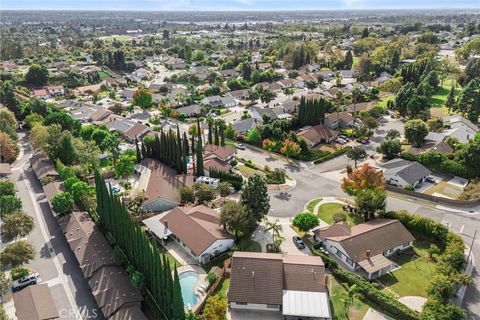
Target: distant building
x,y
220,102
400,172
317,134
35,302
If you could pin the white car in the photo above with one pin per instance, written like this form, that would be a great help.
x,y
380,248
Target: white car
x,y
240,146
26,281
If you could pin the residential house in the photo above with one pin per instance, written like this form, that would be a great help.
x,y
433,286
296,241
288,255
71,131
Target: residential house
x,y
400,173
242,126
193,110
459,128
366,246
160,184
109,282
239,94
35,302
270,113
41,94
290,287
218,157
52,189
339,120
432,146
289,106
197,229
85,90
137,131
85,112
43,166
127,94
56,90
317,134
291,83
355,108
220,102
229,73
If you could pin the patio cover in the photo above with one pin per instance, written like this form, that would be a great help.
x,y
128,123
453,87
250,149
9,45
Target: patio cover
x,y
306,304
154,224
375,263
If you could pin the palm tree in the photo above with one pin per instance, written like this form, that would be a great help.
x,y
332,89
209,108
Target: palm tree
x,y
276,228
356,153
348,300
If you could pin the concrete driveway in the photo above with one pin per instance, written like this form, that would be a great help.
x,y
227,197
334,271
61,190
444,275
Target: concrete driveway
x,y
288,247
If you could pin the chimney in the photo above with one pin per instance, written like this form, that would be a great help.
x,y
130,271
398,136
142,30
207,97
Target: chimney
x,y
325,280
368,254
165,223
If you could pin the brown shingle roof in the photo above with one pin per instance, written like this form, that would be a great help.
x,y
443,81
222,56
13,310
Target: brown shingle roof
x,y
198,227
221,152
53,188
256,278
42,165
136,131
376,235
317,134
35,303
304,273
215,163
343,116
5,169
163,181
109,283
100,114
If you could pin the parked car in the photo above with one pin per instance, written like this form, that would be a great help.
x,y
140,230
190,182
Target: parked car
x,y
343,137
298,242
340,141
240,146
431,179
26,281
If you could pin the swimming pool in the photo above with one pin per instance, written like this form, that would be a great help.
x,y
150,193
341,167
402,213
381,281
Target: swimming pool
x,y
188,280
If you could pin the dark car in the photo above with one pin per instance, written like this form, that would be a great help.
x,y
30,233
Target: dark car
x,y
25,281
298,242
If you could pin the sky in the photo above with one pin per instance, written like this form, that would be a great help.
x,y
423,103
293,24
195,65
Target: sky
x,y
209,5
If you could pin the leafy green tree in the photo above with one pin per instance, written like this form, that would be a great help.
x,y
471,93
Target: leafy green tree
x,y
64,149
403,98
5,285
9,148
450,102
125,166
254,136
305,221
235,219
9,204
186,195
38,106
392,134
37,75
9,98
371,201
33,119
390,149
17,253
215,308
276,228
143,98
255,196
469,101
111,143
290,148
415,132
80,191
62,203
356,154
66,122
9,117
225,189
98,135
7,188
17,224
204,192
434,309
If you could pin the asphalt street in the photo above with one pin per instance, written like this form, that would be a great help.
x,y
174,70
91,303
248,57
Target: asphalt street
x,y
54,260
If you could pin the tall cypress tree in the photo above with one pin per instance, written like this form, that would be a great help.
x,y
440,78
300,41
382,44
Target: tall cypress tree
x,y
199,152
186,152
178,312
216,141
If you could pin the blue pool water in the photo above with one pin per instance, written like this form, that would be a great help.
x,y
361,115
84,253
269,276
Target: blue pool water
x,y
187,283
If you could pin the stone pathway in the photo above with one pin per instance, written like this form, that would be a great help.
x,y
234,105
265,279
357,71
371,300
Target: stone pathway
x,y
413,302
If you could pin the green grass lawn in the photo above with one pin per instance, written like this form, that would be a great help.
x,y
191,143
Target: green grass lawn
x,y
223,287
103,74
337,293
383,102
328,210
249,245
415,273
247,171
312,203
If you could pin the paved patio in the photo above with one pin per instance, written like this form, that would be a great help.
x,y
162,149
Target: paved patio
x,y
413,302
375,315
179,253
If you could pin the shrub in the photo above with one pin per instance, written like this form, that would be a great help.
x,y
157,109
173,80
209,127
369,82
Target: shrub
x,y
339,217
234,179
409,187
211,278
19,272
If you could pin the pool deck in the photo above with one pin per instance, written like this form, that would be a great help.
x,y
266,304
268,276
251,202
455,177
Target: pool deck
x,y
200,282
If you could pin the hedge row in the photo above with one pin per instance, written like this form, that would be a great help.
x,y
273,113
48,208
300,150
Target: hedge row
x,y
440,163
234,179
332,155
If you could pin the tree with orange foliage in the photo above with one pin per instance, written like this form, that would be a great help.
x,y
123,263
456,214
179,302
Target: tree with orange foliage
x,y
366,185
268,145
290,148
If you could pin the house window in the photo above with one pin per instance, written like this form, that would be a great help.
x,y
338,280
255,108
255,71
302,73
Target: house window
x,y
272,306
338,253
241,303
349,261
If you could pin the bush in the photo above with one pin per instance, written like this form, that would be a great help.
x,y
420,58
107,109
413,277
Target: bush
x,y
409,187
19,272
234,179
277,176
339,217
330,156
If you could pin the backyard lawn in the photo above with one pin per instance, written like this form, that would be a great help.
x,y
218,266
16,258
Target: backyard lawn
x,y
415,273
223,287
249,245
328,210
337,295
